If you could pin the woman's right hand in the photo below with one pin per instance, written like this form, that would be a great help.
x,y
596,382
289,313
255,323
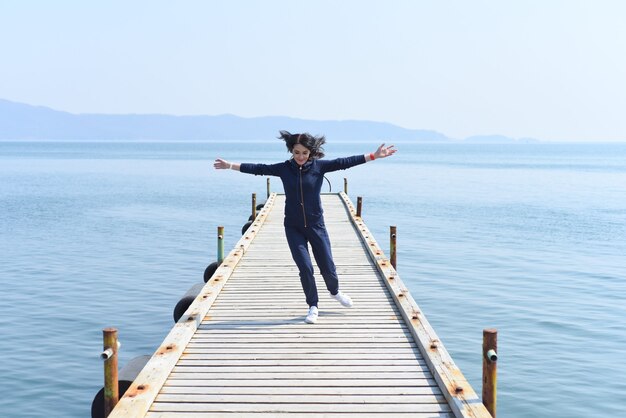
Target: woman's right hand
x,y
384,151
220,164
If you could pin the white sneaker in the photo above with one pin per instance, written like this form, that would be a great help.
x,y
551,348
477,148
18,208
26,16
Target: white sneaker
x,y
311,317
343,299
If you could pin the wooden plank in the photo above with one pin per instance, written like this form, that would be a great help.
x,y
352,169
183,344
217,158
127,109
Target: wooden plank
x,y
297,333
281,358
270,288
299,390
200,373
305,339
289,291
296,299
296,315
290,369
327,347
332,323
388,383
296,309
328,322
298,407
298,302
381,317
280,332
312,356
294,399
208,348
305,362
290,272
163,414
297,325
292,304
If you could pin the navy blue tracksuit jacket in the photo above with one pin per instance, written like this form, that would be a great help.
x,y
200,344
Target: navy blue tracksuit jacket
x,y
304,216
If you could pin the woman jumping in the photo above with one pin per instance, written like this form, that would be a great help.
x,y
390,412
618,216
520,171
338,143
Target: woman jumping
x,y
302,178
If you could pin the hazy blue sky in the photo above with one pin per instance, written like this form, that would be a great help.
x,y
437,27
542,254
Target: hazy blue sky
x,y
554,70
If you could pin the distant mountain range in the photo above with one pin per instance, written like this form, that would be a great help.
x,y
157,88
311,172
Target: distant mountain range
x,y
19,121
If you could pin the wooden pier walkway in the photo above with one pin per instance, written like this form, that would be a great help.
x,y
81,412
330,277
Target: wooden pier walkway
x,y
242,348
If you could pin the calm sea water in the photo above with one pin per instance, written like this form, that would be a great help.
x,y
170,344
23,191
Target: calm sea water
x,y
529,239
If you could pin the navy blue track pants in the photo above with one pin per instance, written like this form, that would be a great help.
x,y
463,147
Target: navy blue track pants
x,y
298,237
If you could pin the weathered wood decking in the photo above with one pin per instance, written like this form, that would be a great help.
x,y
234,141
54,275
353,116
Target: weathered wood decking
x,y
242,347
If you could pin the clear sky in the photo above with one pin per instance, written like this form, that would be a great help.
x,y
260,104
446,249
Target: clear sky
x,y
549,69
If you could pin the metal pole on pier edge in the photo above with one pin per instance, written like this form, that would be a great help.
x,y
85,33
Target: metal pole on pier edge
x,y
220,245
359,206
253,206
345,185
490,358
392,246
268,188
109,355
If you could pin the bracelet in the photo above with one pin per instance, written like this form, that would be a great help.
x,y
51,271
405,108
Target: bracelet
x,y
372,158
230,166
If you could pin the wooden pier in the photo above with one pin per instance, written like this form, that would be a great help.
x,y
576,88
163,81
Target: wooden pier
x,y
242,348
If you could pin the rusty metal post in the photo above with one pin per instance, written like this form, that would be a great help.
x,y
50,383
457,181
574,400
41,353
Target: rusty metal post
x,y
490,358
359,206
345,185
253,206
392,246
268,188
220,244
111,385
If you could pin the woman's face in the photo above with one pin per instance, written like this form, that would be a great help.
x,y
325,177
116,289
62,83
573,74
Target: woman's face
x,y
300,153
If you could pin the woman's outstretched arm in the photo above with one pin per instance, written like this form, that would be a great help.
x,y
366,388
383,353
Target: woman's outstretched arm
x,y
347,162
248,168
381,152
220,164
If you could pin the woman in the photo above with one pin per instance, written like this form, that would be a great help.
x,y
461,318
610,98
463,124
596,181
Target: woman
x,y
302,178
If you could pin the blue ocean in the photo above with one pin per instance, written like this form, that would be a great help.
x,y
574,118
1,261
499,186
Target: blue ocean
x,y
526,238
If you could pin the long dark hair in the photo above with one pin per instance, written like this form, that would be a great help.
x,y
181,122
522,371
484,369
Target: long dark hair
x,y
312,143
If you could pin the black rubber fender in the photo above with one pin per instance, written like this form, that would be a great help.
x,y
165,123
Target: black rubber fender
x,y
125,377
245,227
186,300
210,270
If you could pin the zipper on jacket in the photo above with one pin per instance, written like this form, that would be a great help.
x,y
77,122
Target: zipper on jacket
x,y
302,198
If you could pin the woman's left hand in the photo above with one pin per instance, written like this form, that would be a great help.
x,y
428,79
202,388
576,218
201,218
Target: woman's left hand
x,y
384,151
